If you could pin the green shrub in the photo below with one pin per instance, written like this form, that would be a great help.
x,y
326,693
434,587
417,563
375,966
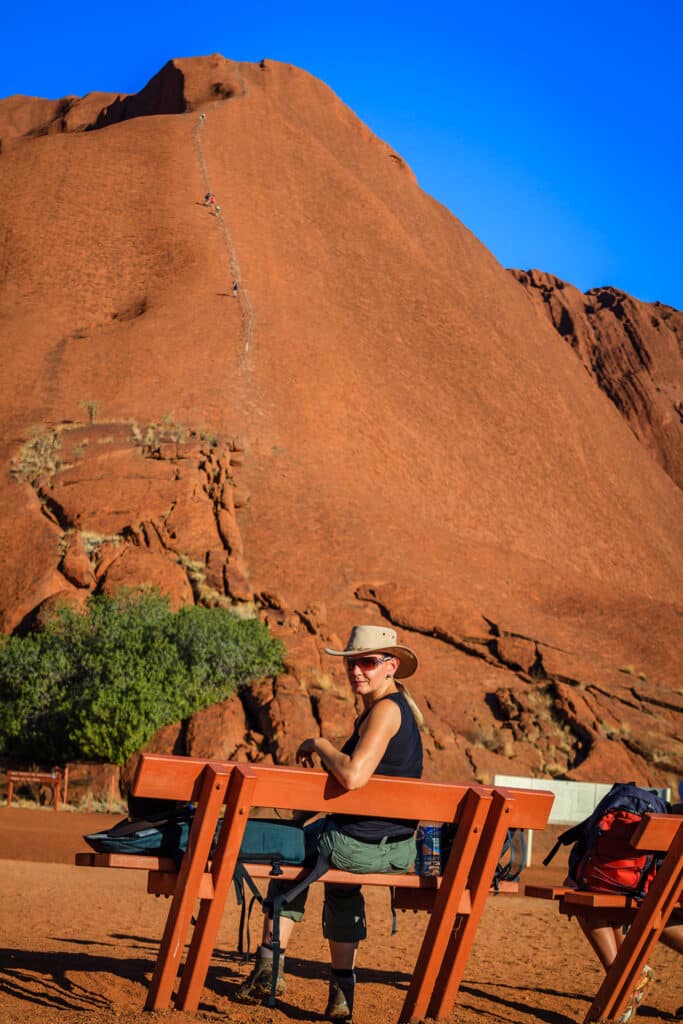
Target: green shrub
x,y
97,685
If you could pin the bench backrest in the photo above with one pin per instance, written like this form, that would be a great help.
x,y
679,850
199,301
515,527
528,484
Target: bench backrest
x,y
483,816
180,778
656,832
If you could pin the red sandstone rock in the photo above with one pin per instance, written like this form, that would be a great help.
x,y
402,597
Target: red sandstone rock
x,y
133,489
91,781
451,764
191,524
632,349
28,557
515,652
170,739
435,612
611,761
236,582
284,714
71,598
229,532
214,570
336,714
302,658
105,553
492,486
217,731
75,564
487,763
139,567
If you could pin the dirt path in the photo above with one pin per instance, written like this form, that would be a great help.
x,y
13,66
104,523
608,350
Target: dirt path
x,y
78,946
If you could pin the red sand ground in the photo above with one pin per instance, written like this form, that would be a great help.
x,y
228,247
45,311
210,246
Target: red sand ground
x,y
78,946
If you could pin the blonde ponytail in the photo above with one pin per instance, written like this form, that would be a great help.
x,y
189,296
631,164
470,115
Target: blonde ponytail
x,y
410,700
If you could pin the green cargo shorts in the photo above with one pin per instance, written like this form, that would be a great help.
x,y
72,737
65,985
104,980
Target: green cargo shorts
x,y
344,906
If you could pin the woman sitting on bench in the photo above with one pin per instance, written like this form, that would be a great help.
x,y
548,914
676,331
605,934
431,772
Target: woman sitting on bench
x,y
385,741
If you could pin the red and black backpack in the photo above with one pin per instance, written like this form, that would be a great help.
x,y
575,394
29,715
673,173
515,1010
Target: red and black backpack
x,y
602,859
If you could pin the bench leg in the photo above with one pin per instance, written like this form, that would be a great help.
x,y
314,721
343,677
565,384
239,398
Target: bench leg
x,y
641,937
446,902
214,785
238,803
481,880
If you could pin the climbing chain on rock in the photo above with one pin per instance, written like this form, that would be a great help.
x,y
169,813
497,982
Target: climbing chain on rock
x,y
245,305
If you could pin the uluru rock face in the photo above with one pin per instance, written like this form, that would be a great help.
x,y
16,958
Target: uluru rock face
x,y
633,352
381,425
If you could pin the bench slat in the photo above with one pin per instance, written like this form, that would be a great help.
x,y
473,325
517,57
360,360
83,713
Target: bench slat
x,y
409,893
599,899
137,861
546,892
413,892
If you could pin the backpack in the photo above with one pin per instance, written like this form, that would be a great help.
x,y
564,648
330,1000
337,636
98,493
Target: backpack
x,y
166,832
512,857
602,858
163,833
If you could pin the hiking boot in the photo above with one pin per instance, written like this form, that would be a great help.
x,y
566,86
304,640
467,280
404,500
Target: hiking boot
x,y
256,988
340,999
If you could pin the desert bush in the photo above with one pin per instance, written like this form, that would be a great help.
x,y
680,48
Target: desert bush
x,y
38,457
96,685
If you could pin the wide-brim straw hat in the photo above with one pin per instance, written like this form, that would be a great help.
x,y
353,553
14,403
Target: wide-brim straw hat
x,y
378,640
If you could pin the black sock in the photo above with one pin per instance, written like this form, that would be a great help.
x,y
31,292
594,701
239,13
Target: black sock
x,y
336,973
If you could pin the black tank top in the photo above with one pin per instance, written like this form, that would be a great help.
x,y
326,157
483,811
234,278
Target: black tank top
x,y
403,757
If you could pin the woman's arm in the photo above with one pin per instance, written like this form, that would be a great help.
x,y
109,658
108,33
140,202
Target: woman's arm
x,y
353,771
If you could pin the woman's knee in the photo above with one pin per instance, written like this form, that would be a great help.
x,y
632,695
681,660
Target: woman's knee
x,y
293,911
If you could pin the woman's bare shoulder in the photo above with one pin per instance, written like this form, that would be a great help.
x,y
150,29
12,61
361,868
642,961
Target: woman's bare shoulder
x,y
383,714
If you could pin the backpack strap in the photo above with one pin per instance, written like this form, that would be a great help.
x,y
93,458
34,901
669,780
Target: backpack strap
x,y
515,847
392,899
239,878
570,836
274,907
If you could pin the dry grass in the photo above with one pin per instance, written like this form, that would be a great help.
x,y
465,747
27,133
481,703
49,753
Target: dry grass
x,y
38,457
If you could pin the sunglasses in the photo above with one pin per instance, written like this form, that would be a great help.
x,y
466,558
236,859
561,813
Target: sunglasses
x,y
367,662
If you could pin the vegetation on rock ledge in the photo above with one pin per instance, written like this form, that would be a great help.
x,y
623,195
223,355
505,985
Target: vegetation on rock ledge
x,y
97,685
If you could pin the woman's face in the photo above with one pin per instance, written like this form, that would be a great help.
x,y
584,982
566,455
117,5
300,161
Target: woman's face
x,y
369,673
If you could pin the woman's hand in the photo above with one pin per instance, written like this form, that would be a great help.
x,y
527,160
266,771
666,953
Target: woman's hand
x,y
304,755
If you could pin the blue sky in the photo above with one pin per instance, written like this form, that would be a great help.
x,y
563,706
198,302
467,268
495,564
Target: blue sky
x,y
554,131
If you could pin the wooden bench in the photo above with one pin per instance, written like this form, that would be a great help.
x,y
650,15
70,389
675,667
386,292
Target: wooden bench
x,y
54,779
646,918
456,899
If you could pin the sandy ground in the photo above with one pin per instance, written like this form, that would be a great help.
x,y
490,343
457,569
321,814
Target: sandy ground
x,y
78,946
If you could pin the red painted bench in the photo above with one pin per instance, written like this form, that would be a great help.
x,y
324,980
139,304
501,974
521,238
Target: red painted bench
x,y
456,900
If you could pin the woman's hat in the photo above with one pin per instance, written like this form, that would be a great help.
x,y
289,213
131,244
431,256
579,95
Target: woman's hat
x,y
377,640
